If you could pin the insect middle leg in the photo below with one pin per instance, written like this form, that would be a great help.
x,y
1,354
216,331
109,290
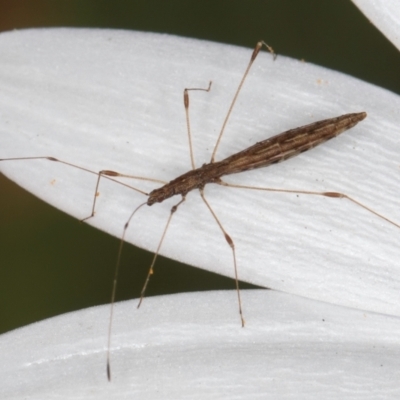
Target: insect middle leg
x,y
232,246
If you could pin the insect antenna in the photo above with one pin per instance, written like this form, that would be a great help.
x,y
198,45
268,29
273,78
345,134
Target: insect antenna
x,y
114,287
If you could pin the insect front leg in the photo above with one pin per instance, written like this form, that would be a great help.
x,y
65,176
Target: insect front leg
x,y
151,269
113,174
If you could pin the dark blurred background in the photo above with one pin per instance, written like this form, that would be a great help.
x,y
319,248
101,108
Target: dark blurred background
x,y
50,263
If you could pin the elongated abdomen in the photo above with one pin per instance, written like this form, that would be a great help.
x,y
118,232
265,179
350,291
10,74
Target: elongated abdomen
x,y
270,151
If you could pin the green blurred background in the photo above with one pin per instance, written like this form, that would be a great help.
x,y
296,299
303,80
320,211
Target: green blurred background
x,y
51,264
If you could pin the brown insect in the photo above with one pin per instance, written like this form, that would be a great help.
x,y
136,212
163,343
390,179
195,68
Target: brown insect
x,y
273,150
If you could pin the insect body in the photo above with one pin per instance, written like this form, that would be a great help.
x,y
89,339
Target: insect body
x,y
273,150
270,151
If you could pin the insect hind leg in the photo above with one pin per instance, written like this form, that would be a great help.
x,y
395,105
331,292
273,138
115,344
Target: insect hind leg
x,y
331,194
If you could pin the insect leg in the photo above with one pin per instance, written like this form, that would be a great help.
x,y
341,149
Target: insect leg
x,y
186,104
151,269
110,174
256,50
232,246
336,195
107,174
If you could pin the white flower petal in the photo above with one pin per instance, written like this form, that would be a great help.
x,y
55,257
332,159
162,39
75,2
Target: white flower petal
x,y
105,99
185,346
385,15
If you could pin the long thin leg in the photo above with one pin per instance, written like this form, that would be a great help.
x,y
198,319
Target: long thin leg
x,y
186,104
232,246
253,57
151,269
336,195
107,174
